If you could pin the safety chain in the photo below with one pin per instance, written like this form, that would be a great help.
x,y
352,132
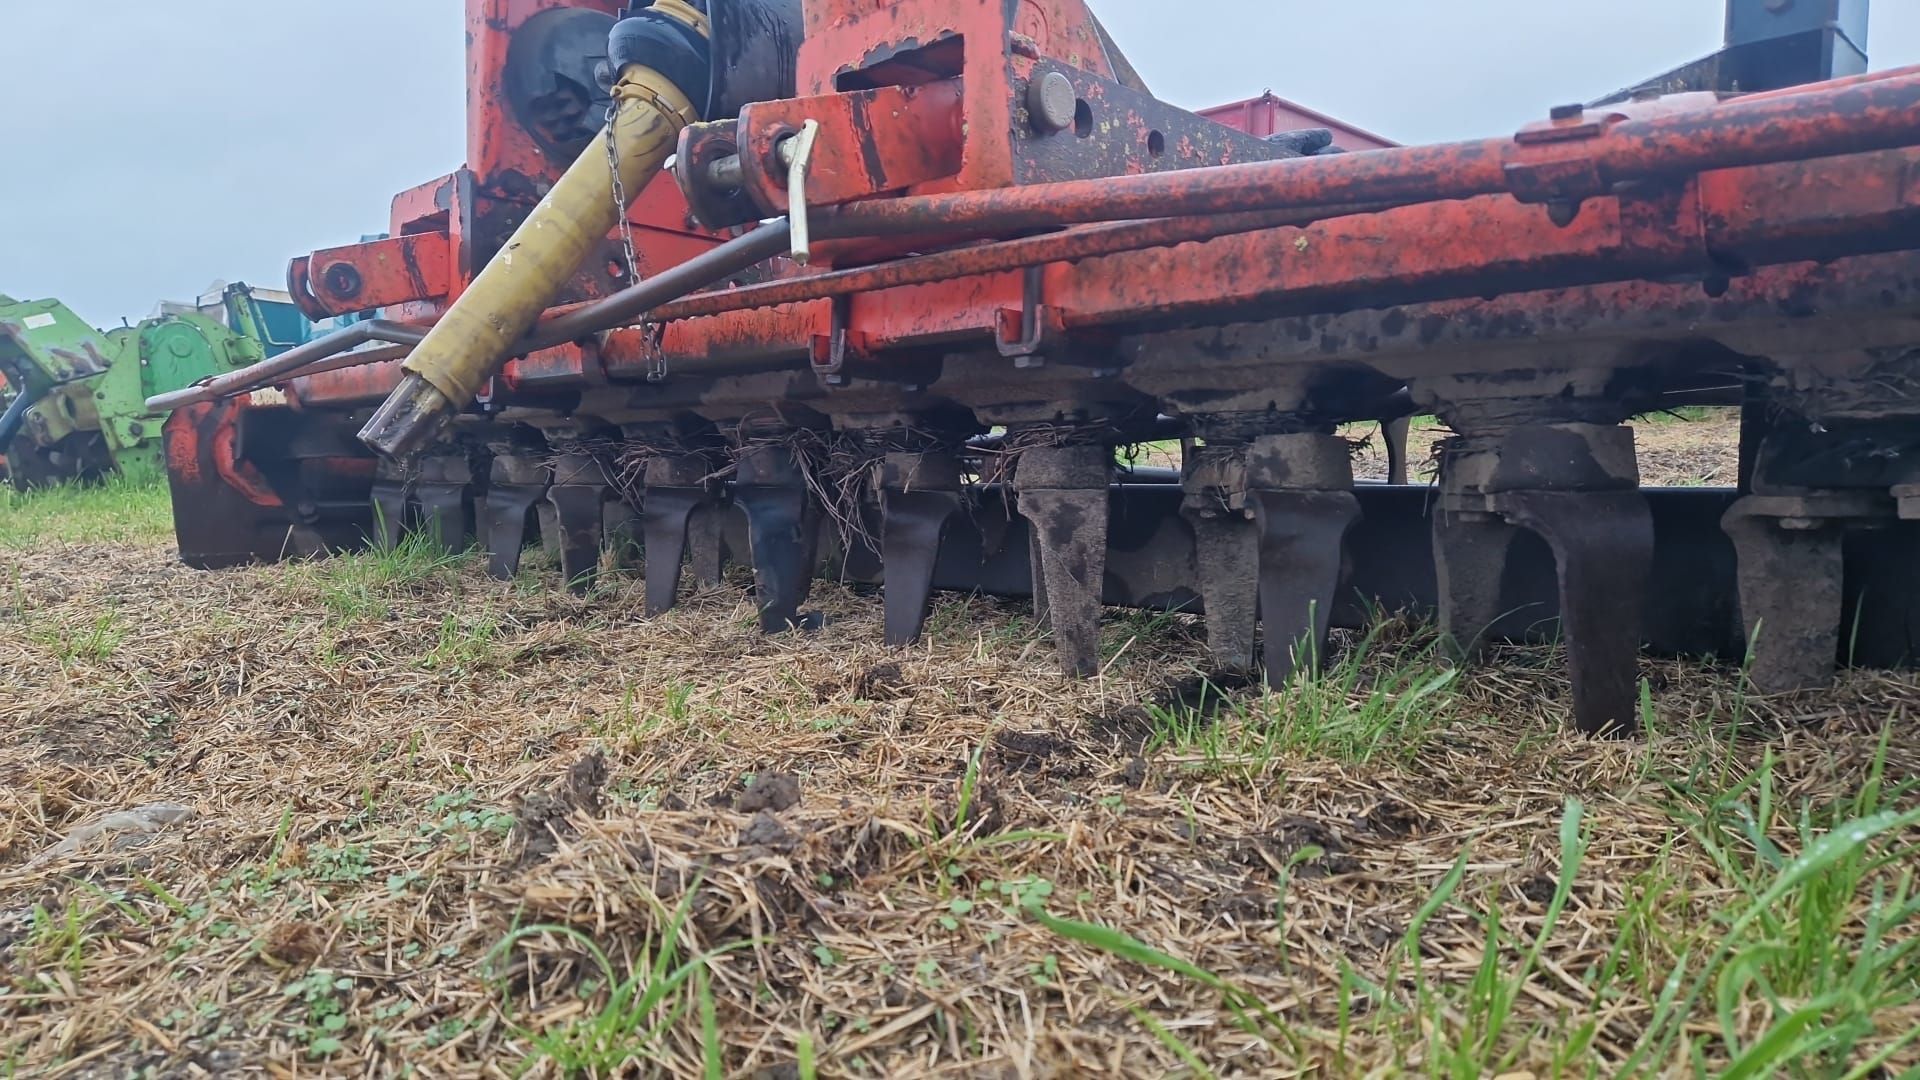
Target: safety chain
x,y
650,332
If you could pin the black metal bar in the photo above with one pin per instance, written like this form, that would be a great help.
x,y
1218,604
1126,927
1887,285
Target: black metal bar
x,y
628,305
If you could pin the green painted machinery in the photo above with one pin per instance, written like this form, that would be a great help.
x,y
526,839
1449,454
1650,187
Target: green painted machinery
x,y
75,395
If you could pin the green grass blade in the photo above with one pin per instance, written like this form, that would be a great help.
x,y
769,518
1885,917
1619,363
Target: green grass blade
x,y
803,1055
1173,1043
713,1058
1784,1041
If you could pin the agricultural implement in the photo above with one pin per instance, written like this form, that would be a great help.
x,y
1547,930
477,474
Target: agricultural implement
x,y
920,267
75,397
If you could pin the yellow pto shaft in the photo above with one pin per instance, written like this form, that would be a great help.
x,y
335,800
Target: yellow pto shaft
x,y
477,334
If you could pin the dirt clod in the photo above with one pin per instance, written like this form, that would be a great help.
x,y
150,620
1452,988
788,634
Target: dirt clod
x,y
542,815
769,791
881,682
766,831
1027,751
295,942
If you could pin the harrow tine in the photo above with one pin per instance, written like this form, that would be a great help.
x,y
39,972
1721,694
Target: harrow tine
x,y
1602,545
1790,555
444,515
910,545
705,542
444,489
579,496
543,512
665,516
1062,493
389,498
919,494
1576,486
1470,553
677,512
1302,536
582,530
1226,553
783,529
1227,556
509,507
1300,486
517,482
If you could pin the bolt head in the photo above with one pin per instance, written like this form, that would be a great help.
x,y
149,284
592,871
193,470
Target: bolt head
x,y
342,279
1050,101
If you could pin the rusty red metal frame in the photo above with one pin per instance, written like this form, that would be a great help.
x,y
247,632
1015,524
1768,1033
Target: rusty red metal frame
x,y
916,100
1715,225
1573,157
1729,217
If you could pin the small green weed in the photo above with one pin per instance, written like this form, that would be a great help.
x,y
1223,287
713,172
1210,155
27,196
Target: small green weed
x,y
464,642
671,707
342,864
1372,703
61,938
94,641
456,818
363,585
324,1019
626,1032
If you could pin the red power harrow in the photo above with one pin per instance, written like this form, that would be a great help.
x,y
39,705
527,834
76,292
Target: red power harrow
x,y
920,267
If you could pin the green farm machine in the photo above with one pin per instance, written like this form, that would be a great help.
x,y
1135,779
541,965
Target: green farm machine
x,y
74,397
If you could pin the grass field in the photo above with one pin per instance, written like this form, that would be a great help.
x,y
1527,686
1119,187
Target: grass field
x,y
406,820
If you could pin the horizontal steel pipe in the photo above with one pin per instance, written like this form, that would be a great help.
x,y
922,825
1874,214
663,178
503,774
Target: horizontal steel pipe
x,y
995,257
1819,122
293,362
628,305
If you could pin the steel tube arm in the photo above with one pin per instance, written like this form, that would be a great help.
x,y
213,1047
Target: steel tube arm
x,y
1068,246
629,304
293,362
1576,157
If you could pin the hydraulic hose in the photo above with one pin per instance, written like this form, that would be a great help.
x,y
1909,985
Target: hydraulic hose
x,y
26,398
477,334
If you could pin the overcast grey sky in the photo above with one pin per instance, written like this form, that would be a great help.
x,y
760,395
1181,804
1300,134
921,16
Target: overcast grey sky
x,y
150,148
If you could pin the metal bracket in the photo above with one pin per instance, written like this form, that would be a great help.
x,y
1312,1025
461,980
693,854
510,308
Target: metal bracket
x,y
828,355
1021,334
